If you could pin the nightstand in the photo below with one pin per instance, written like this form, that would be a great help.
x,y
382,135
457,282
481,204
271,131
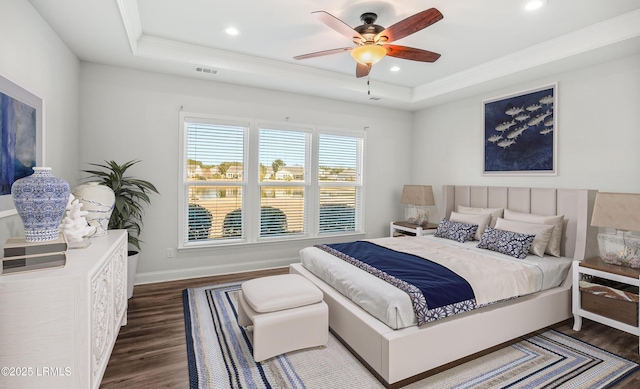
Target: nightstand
x,y
608,295
404,228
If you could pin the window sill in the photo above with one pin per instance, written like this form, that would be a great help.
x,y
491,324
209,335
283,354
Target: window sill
x,y
267,243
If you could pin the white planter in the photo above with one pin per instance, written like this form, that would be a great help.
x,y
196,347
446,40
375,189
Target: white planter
x,y
98,200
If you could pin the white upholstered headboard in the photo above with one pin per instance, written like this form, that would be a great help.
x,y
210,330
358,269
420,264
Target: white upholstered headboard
x,y
579,240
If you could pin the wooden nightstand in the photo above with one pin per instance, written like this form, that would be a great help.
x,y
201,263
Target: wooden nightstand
x,y
620,313
404,228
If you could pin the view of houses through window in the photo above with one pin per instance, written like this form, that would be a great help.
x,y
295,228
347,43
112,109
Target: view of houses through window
x,y
283,191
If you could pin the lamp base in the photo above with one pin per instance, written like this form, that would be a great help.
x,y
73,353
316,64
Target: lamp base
x,y
417,215
620,249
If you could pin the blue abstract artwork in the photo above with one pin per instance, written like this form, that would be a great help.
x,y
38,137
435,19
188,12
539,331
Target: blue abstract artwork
x,y
21,146
520,133
18,132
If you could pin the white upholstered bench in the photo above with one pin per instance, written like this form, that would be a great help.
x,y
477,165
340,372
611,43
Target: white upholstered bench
x,y
287,313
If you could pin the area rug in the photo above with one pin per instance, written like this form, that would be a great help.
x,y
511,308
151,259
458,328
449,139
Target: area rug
x,y
220,356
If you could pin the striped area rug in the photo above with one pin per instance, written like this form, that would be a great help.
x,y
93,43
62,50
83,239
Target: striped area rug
x,y
220,356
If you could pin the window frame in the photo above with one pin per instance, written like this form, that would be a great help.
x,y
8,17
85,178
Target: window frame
x,y
358,184
306,183
251,184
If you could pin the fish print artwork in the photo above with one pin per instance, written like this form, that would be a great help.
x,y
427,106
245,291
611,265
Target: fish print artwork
x,y
519,133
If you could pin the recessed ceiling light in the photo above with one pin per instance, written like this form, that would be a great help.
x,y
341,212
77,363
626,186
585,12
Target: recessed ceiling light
x,y
231,31
395,68
533,4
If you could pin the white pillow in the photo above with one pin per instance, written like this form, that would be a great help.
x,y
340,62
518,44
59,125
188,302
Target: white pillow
x,y
542,233
481,220
553,247
495,212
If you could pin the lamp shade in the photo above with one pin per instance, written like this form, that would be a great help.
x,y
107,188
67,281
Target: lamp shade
x,y
368,54
617,210
417,195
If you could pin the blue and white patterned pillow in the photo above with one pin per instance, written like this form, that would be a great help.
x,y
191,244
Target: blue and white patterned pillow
x,y
506,242
460,232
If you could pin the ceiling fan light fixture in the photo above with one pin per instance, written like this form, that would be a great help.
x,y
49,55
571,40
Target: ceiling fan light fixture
x,y
368,54
372,41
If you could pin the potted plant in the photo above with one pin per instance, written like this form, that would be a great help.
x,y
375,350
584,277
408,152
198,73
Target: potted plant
x,y
131,194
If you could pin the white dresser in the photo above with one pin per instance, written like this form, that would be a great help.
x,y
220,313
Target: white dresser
x,y
58,326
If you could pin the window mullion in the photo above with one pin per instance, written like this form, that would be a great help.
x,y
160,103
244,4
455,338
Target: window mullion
x,y
313,197
252,195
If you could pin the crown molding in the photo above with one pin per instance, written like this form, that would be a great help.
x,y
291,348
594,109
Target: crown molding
x,y
131,20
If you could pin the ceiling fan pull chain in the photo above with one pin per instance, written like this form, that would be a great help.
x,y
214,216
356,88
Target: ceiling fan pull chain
x,y
368,86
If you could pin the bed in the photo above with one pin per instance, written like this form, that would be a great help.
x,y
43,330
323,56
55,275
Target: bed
x,y
400,356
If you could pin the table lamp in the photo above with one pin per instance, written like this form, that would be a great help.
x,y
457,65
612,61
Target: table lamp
x,y
416,199
619,211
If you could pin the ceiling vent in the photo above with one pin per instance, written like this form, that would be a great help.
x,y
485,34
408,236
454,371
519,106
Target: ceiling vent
x,y
204,70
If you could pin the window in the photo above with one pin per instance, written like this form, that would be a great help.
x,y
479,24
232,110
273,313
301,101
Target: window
x,y
283,185
214,179
339,182
246,183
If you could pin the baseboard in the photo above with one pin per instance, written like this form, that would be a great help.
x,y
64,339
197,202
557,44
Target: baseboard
x,y
196,272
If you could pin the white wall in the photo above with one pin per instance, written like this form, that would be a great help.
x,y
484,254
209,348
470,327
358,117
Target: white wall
x,y
34,58
598,134
95,112
129,114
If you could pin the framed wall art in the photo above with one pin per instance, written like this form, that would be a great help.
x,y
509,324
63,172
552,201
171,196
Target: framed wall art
x,y
21,134
520,133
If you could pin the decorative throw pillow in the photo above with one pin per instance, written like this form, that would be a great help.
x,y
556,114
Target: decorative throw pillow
x,y
494,212
542,233
506,242
481,220
553,247
460,232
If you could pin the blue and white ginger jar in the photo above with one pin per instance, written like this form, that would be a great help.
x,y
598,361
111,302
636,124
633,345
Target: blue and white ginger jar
x,y
40,200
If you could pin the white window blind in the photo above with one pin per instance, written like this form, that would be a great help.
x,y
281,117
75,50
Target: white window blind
x,y
340,182
247,183
283,160
214,180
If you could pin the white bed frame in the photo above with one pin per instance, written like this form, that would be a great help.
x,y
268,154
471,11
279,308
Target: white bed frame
x,y
399,357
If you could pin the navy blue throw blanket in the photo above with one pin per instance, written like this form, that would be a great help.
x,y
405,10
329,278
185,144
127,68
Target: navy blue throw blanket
x,y
436,292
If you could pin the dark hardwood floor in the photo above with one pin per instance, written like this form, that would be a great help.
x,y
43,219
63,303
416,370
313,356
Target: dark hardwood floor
x,y
150,351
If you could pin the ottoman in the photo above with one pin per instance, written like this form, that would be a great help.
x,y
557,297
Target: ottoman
x,y
287,313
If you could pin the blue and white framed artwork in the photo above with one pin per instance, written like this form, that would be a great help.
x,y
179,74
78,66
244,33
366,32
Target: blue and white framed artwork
x,y
21,135
520,133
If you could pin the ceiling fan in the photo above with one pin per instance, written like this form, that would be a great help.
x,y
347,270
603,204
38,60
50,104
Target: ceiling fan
x,y
372,41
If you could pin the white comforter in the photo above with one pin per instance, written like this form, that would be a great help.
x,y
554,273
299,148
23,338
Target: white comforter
x,y
492,276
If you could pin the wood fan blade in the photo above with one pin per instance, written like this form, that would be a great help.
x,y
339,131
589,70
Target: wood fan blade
x,y
321,53
362,70
411,53
339,26
410,25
